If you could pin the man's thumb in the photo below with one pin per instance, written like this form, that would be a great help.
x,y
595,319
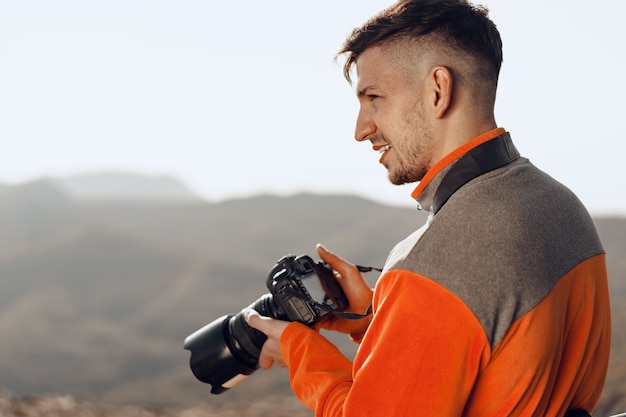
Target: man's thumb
x,y
253,318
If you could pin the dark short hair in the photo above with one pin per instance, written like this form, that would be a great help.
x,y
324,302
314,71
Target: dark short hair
x,y
457,23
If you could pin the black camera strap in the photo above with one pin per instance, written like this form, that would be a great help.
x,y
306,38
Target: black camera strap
x,y
353,316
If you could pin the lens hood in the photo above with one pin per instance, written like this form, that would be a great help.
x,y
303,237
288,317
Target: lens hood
x,y
212,360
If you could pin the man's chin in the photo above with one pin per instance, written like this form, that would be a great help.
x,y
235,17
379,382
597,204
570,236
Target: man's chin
x,y
404,179
396,181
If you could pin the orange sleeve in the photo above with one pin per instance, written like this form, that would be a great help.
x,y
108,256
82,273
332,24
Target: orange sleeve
x,y
316,366
423,344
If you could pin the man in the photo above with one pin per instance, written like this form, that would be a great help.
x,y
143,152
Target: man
x,y
499,305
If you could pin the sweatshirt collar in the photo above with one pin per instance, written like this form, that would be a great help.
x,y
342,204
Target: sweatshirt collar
x,y
426,189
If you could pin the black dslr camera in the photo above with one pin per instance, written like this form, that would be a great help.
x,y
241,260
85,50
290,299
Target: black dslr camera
x,y
227,350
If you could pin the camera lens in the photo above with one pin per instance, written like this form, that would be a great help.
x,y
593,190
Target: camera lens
x,y
226,350
245,340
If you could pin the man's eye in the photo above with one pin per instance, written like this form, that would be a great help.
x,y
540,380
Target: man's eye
x,y
372,96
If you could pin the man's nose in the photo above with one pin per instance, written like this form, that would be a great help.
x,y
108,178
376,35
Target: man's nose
x,y
364,127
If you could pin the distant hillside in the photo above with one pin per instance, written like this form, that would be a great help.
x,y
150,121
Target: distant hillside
x,y
98,296
117,186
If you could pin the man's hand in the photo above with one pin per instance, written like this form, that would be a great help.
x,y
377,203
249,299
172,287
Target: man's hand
x,y
359,296
273,328
357,291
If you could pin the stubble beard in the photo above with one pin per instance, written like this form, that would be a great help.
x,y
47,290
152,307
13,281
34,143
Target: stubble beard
x,y
405,177
413,162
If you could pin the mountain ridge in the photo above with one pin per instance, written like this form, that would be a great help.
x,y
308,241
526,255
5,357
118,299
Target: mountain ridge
x,y
98,296
108,186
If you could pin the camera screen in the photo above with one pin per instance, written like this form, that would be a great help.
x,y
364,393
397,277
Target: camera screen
x,y
314,287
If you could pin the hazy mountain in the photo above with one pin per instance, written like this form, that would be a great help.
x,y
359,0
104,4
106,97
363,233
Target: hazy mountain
x,y
116,186
97,296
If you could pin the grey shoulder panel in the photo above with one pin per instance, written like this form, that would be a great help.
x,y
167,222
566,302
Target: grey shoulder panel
x,y
501,243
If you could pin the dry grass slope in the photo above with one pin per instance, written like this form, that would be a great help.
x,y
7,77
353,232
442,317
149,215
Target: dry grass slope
x,y
68,406
97,298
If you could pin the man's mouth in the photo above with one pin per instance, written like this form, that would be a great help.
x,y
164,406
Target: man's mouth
x,y
384,148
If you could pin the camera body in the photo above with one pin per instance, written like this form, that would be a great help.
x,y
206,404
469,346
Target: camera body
x,y
227,350
304,290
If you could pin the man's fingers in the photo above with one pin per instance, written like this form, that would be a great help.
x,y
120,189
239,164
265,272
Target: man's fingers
x,y
267,325
255,320
270,353
350,278
336,262
265,362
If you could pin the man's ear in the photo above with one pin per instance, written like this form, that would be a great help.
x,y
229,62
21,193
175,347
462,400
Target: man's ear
x,y
441,82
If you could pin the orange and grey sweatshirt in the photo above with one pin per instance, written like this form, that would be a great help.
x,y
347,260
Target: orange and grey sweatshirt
x,y
497,306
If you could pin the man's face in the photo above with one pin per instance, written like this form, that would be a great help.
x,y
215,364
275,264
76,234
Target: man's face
x,y
393,115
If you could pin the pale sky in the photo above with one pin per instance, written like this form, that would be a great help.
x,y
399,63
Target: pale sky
x,y
235,98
